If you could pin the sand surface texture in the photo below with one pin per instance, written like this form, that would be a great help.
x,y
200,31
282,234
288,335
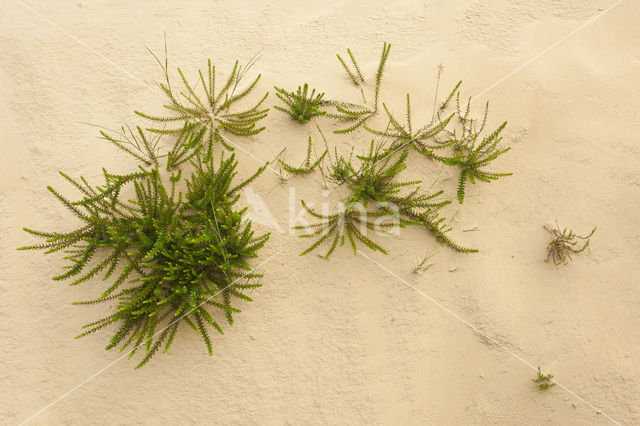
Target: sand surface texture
x,y
345,340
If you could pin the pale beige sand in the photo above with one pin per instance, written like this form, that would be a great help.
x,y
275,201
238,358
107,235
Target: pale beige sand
x,y
343,341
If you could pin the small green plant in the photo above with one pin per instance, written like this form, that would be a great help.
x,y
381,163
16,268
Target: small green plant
x,y
307,166
202,115
358,114
543,381
471,153
472,157
135,143
377,180
301,105
423,263
356,75
564,243
340,170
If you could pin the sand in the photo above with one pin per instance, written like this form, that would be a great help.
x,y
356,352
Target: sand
x,y
355,339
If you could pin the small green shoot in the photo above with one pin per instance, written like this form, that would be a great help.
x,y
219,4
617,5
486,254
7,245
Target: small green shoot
x,y
301,105
423,263
544,381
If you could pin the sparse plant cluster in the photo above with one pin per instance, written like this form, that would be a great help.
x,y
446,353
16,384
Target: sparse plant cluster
x,y
176,255
379,199
469,150
564,243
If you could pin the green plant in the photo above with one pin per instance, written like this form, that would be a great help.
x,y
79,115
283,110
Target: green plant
x,y
358,114
543,381
469,151
202,117
180,259
178,252
472,158
341,171
301,105
356,75
377,180
349,222
135,143
564,243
